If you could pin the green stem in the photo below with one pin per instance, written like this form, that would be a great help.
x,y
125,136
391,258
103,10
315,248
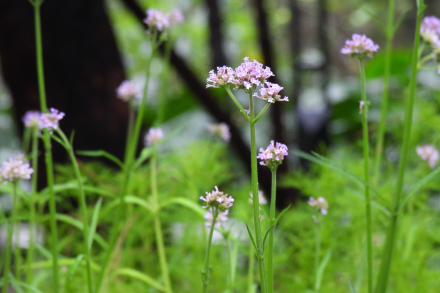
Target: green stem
x,y
391,235
262,112
272,218
83,204
131,115
158,227
367,178
250,276
164,87
207,270
10,235
32,216
242,110
256,202
231,265
41,84
317,250
386,89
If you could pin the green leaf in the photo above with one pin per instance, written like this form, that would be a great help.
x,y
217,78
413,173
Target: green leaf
x,y
15,283
185,203
281,214
75,266
141,277
62,262
375,204
352,289
252,238
94,224
46,253
267,234
72,134
102,153
419,185
321,269
138,201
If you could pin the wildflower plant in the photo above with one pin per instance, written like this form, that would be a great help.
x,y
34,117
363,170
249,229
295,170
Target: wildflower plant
x,y
249,76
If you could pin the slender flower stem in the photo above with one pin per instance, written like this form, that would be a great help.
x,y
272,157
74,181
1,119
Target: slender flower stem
x,y
250,276
207,270
242,110
262,112
231,265
10,235
47,146
367,178
390,240
83,204
32,212
256,202
272,218
386,89
164,87
317,250
158,227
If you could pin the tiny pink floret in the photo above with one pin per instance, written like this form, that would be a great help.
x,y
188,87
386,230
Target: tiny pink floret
x,y
428,153
269,92
50,120
273,156
15,168
217,199
32,119
359,46
320,204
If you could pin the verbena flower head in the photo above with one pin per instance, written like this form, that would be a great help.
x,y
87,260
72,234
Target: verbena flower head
x,y
127,91
15,168
428,153
320,204
250,74
175,17
270,93
221,129
359,46
50,120
221,218
153,136
217,199
32,119
273,156
221,78
160,20
430,29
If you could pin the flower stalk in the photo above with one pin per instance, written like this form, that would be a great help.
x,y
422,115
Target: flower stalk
x,y
207,269
272,221
8,250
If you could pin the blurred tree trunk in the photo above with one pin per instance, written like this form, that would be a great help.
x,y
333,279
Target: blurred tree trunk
x,y
216,40
82,69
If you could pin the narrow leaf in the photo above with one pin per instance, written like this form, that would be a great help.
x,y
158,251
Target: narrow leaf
x,y
252,238
101,153
419,185
185,203
141,277
94,224
321,269
267,234
352,289
75,265
138,201
281,214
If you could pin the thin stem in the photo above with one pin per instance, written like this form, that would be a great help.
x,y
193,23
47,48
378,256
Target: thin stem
x,y
250,276
262,112
207,270
242,110
390,240
367,178
131,116
231,265
32,216
256,201
164,88
272,218
317,250
386,89
39,45
10,235
83,205
158,227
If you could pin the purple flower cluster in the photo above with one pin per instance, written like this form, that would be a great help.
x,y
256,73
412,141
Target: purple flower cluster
x,y
270,93
43,120
153,136
217,199
247,76
428,153
320,203
430,30
127,91
15,168
273,156
359,46
159,20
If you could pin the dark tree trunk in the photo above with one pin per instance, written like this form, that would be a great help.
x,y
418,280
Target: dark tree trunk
x,y
82,69
215,34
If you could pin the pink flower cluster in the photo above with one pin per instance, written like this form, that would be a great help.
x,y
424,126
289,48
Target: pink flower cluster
x,y
221,218
320,203
127,91
270,93
217,199
221,129
43,120
273,156
153,136
428,153
430,30
359,46
15,168
159,20
247,76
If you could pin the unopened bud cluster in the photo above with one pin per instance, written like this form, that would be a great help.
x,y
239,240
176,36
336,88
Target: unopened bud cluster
x,y
217,199
43,120
320,203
